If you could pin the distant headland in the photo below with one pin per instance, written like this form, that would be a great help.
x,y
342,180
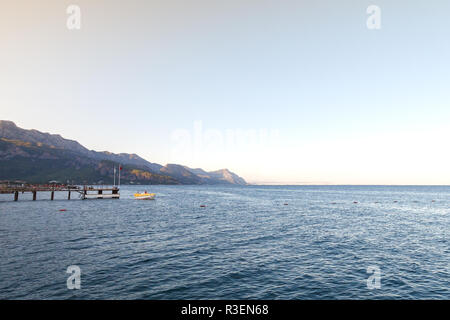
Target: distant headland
x,y
37,157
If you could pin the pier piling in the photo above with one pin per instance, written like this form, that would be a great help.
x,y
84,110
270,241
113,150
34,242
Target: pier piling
x,y
86,192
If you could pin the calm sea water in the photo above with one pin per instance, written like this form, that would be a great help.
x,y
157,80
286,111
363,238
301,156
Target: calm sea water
x,y
245,244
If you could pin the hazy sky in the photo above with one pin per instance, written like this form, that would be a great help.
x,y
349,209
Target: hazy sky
x,y
277,91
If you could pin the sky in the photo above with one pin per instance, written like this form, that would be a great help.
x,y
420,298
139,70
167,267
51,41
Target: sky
x,y
280,92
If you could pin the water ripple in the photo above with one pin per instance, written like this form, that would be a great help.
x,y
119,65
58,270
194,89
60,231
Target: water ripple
x,y
245,244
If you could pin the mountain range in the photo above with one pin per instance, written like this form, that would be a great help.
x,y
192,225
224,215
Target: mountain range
x,y
37,157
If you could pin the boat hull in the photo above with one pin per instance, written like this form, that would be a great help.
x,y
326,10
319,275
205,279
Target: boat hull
x,y
149,196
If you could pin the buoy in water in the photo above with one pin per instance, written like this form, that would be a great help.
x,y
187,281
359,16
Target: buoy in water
x,y
62,209
355,202
202,206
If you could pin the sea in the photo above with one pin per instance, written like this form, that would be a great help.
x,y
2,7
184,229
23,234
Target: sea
x,y
229,242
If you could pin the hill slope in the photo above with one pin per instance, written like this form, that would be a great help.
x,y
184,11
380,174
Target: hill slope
x,y
39,163
38,157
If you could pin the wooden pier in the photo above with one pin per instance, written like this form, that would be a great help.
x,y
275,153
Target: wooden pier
x,y
99,193
85,192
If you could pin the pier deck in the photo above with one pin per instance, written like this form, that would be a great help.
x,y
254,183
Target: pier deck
x,y
86,192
